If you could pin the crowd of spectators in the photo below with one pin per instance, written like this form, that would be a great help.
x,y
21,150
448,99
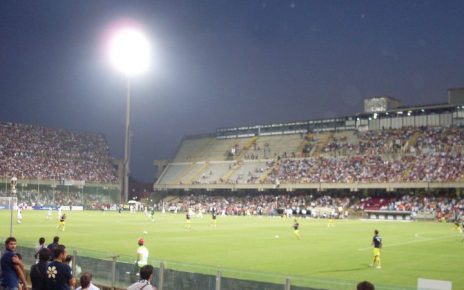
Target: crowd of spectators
x,y
439,206
371,168
34,152
372,142
56,198
381,156
338,205
409,154
258,204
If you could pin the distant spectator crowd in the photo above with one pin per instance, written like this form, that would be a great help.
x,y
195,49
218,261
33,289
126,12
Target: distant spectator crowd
x,y
31,198
34,152
393,155
319,205
259,204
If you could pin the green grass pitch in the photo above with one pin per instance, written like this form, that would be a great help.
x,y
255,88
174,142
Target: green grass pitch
x,y
262,248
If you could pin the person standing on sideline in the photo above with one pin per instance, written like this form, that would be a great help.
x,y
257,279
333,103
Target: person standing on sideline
x,y
86,282
38,248
377,243
12,268
59,276
146,275
38,271
142,254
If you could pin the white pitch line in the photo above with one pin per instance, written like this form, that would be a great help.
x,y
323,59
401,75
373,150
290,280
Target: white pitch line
x,y
411,242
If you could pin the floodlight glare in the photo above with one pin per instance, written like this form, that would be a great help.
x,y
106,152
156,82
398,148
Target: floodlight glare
x,y
130,51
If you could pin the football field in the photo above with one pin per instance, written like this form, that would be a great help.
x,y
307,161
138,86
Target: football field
x,y
262,248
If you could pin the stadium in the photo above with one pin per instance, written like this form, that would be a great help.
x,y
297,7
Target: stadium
x,y
232,145
393,168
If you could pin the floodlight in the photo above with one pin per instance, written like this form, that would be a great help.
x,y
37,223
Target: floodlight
x,y
129,51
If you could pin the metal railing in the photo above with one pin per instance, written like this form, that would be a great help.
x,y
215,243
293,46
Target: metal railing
x,y
116,272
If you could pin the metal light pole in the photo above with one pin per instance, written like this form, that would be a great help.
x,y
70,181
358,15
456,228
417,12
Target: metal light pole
x,y
130,54
127,142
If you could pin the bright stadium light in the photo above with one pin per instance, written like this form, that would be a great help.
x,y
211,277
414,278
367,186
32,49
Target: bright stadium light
x,y
129,53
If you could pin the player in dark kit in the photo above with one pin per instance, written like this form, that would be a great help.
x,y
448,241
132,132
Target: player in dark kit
x,y
296,227
377,243
188,222
213,218
152,214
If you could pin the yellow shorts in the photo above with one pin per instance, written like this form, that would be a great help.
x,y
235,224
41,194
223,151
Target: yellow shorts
x,y
376,252
188,221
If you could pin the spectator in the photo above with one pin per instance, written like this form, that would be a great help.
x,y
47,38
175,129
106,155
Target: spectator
x,y
86,282
38,271
38,248
12,273
146,275
365,285
59,275
69,262
53,246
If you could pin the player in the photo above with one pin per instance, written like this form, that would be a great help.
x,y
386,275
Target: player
x,y
296,230
61,225
330,223
152,214
213,217
188,222
59,212
145,211
462,231
49,214
19,216
457,226
200,212
377,243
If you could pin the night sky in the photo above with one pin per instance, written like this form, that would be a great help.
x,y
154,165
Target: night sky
x,y
222,64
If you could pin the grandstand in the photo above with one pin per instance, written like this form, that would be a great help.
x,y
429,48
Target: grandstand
x,y
388,147
57,167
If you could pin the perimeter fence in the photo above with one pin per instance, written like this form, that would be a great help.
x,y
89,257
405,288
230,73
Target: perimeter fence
x,y
118,272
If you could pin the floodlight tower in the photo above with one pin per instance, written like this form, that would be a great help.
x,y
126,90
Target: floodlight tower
x,y
129,54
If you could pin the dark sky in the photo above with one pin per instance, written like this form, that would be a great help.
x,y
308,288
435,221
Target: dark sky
x,y
221,64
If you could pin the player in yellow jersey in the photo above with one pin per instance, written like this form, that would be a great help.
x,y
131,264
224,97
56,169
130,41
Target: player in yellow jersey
x,y
188,222
296,230
61,225
377,243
